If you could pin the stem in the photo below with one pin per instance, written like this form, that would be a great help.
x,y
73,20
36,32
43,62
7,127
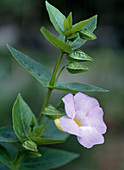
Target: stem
x,y
59,74
55,69
18,157
51,83
21,156
44,105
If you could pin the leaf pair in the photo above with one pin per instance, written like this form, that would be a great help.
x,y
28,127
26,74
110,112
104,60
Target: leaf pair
x,y
22,118
61,23
54,158
7,134
68,22
43,75
77,56
64,26
6,153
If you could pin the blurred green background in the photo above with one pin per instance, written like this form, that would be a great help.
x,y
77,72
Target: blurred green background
x,y
20,22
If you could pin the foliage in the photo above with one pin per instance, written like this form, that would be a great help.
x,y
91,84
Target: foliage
x,y
30,133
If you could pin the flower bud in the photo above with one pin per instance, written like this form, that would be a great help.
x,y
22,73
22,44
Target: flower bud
x,y
87,35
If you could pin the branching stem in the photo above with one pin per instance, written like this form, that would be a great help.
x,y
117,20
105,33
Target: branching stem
x,y
59,74
51,83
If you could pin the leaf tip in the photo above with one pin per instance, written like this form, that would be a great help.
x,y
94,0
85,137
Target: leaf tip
x,y
77,155
106,90
42,28
96,15
8,46
47,5
19,96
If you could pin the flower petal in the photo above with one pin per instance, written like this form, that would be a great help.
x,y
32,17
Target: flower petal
x,y
57,123
84,103
90,136
69,105
95,119
81,117
70,126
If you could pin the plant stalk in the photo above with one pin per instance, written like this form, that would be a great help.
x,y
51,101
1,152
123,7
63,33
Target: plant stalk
x,y
55,69
51,83
59,74
18,157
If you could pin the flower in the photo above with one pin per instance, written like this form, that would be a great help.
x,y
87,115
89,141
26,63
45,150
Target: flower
x,y
84,119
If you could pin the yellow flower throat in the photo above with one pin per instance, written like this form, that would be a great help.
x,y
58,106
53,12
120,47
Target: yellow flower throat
x,y
78,123
57,123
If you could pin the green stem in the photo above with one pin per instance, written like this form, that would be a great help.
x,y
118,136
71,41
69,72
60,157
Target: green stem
x,y
59,74
44,105
56,69
18,157
51,83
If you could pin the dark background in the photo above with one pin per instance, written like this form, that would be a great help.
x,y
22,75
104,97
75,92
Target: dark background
x,y
20,22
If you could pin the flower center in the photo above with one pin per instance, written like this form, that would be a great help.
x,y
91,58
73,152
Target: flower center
x,y
78,123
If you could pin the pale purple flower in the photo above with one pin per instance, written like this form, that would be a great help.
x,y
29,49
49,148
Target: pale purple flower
x,y
84,119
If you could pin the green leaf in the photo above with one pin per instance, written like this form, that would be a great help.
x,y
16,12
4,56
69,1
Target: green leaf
x,y
30,145
32,123
91,25
79,55
45,141
77,27
7,134
66,24
55,41
6,158
77,87
61,37
56,17
61,107
87,35
52,132
75,67
37,70
11,148
51,158
72,37
51,112
4,155
34,154
3,166
69,18
37,132
7,153
22,116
